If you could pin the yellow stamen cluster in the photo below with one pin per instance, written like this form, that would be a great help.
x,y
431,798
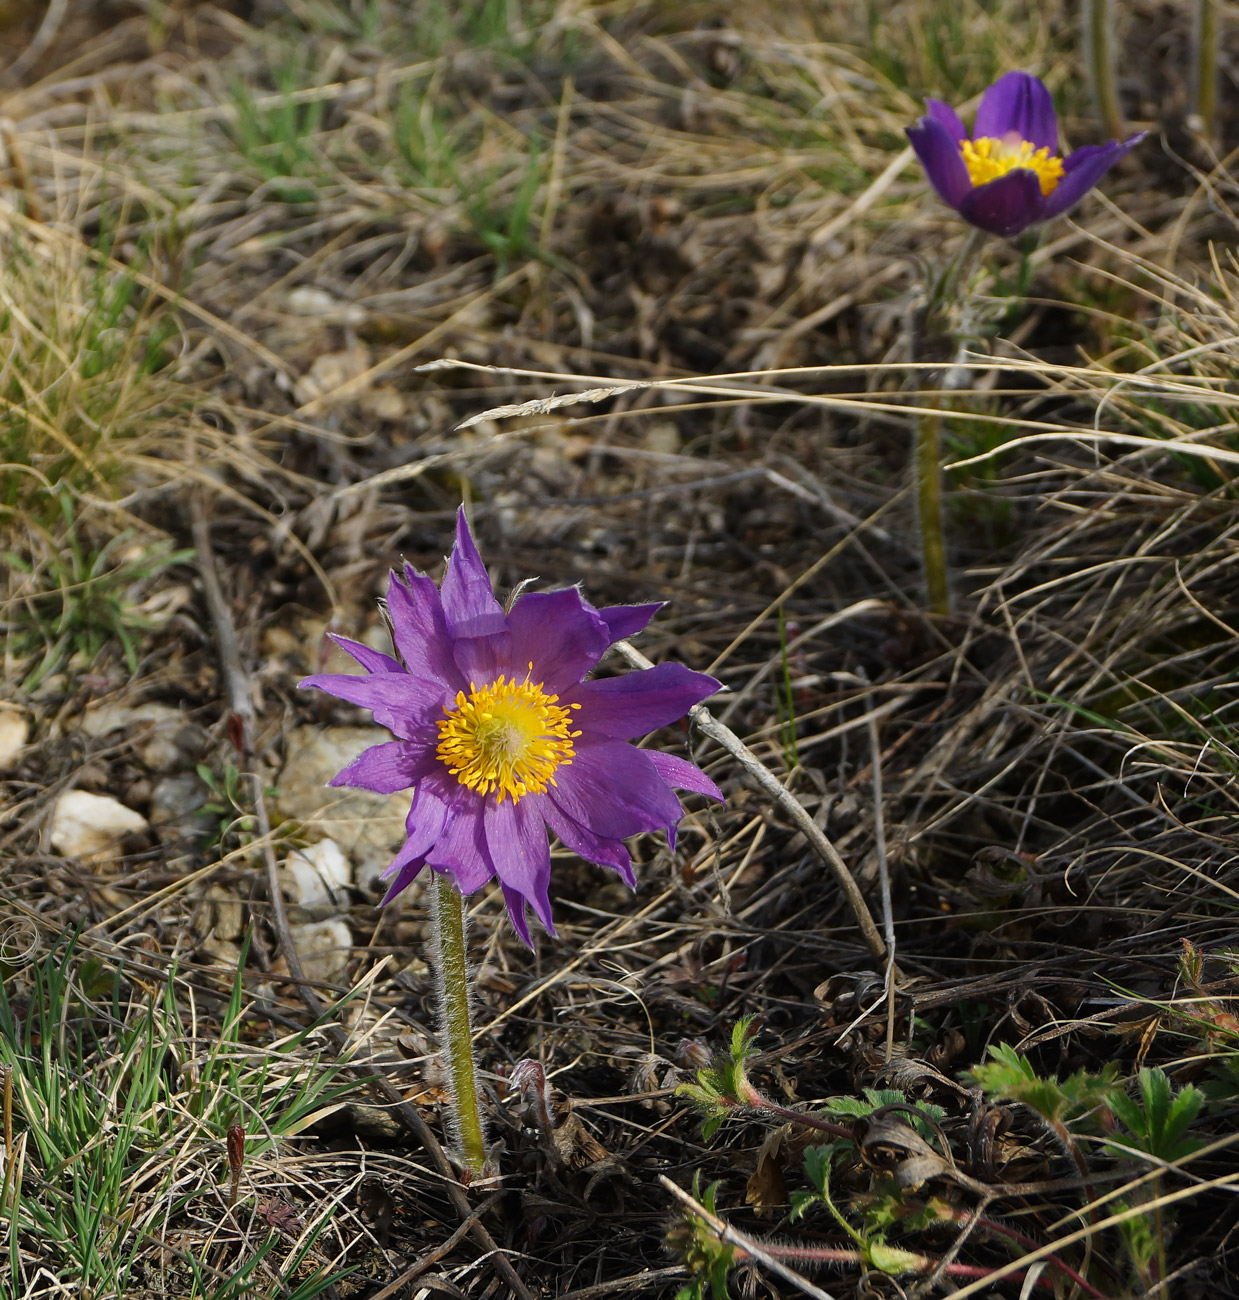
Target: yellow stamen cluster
x,y
988,158
510,736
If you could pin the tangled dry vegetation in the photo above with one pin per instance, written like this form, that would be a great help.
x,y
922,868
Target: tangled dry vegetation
x,y
234,237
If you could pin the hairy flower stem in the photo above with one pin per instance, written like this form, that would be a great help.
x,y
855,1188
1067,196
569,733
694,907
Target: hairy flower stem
x,y
1099,52
1027,1243
1204,66
937,336
747,1095
910,1260
455,1027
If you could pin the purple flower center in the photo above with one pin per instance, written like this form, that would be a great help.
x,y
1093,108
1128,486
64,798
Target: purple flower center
x,y
989,157
510,737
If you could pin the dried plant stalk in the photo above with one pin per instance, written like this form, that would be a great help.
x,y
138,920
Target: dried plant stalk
x,y
1099,54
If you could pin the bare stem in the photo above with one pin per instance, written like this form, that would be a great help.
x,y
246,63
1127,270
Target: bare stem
x,y
1099,51
455,1026
929,510
1204,66
750,1096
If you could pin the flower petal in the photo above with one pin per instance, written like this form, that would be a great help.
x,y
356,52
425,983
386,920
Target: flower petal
x,y
949,118
583,842
399,701
940,157
460,850
1007,205
1083,169
683,775
627,620
469,603
406,867
1018,102
387,768
614,791
560,633
373,661
515,901
424,824
419,628
516,839
638,703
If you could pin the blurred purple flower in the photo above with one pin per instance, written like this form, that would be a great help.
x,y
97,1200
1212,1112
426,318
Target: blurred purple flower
x,y
1008,176
500,735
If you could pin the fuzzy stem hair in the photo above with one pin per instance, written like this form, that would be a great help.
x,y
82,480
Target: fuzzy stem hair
x,y
455,1026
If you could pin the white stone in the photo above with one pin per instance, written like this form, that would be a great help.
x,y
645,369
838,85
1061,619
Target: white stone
x,y
368,828
91,825
324,948
318,876
165,739
308,300
14,732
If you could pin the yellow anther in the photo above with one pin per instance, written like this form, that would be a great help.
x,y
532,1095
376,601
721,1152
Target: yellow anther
x,y
509,737
988,158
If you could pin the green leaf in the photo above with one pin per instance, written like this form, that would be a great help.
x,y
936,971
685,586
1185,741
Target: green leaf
x,y
1157,1124
817,1162
892,1260
1012,1077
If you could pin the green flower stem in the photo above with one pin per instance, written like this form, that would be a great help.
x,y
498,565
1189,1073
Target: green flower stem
x,y
944,287
929,510
1204,59
455,1026
937,336
1099,47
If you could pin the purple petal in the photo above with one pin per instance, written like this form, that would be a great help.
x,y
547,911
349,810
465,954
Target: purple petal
x,y
949,118
943,163
516,839
583,842
1007,205
399,701
481,659
627,620
1083,169
559,633
469,603
683,775
406,867
387,768
373,661
424,824
638,703
420,629
516,910
614,791
461,848
1018,102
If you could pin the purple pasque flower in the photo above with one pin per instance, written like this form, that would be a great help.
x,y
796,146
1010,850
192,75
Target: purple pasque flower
x,y
1009,175
501,736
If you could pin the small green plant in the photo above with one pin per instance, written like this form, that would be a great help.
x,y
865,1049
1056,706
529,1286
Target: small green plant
x,y
893,1156
1158,1120
83,387
278,139
236,825
113,1102
708,1258
80,599
1157,1123
505,225
426,141
1012,1077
